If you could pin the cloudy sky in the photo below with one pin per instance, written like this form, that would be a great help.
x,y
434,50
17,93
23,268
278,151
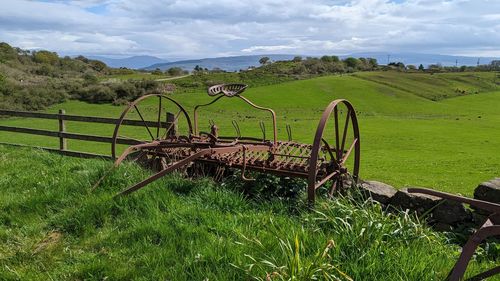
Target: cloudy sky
x,y
208,28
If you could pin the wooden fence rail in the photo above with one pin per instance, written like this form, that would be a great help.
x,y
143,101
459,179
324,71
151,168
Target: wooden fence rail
x,y
63,135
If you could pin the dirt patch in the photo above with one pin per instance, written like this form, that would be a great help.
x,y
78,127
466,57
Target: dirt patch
x,y
48,242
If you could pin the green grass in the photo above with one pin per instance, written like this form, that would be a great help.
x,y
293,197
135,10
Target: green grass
x,y
436,86
135,76
53,228
406,138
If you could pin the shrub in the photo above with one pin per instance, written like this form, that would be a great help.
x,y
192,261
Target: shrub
x,y
175,71
45,57
7,53
97,94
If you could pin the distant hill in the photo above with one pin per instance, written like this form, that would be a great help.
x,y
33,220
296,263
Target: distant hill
x,y
425,59
226,63
243,62
134,62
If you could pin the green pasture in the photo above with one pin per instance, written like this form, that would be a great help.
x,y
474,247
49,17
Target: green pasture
x,y
135,76
416,129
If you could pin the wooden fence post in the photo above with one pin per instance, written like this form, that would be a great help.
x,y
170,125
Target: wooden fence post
x,y
172,124
62,129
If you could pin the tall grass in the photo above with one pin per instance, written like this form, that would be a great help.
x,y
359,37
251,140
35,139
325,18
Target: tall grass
x,y
53,228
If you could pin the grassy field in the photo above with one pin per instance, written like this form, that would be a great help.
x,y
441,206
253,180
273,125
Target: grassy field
x,y
436,86
135,76
53,228
416,129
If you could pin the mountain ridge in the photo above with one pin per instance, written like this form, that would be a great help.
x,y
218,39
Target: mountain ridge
x,y
235,63
133,62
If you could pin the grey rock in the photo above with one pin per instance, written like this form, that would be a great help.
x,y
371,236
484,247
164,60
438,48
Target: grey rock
x,y
378,191
479,218
442,227
414,201
488,191
451,212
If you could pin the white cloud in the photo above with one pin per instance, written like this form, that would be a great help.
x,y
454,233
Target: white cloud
x,y
204,28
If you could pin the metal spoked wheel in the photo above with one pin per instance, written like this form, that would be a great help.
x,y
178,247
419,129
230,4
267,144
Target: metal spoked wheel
x,y
150,118
335,153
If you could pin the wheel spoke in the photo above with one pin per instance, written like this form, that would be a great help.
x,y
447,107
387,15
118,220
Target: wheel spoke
x,y
129,138
346,155
336,115
159,118
325,179
344,136
333,188
329,149
141,154
143,121
340,183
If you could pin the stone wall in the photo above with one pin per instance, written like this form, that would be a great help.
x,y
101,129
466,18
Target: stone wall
x,y
440,213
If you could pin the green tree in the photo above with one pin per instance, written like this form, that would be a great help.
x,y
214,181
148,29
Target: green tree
x,y
157,71
351,62
174,71
398,65
421,67
297,59
329,59
7,52
373,63
264,60
46,57
98,65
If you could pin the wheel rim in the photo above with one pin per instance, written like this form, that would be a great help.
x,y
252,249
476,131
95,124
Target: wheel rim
x,y
149,113
336,148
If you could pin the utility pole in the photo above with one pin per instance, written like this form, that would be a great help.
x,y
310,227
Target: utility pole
x,y
388,59
456,63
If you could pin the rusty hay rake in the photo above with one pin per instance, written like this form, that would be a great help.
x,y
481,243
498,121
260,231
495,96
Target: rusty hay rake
x,y
171,141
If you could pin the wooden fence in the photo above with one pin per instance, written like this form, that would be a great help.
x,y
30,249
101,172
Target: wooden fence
x,y
63,135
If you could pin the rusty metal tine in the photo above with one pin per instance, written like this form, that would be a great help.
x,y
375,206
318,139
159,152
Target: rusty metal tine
x,y
289,132
303,161
290,156
211,123
243,171
263,129
146,125
236,128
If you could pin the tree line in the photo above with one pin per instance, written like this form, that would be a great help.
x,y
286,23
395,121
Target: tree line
x,y
33,80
